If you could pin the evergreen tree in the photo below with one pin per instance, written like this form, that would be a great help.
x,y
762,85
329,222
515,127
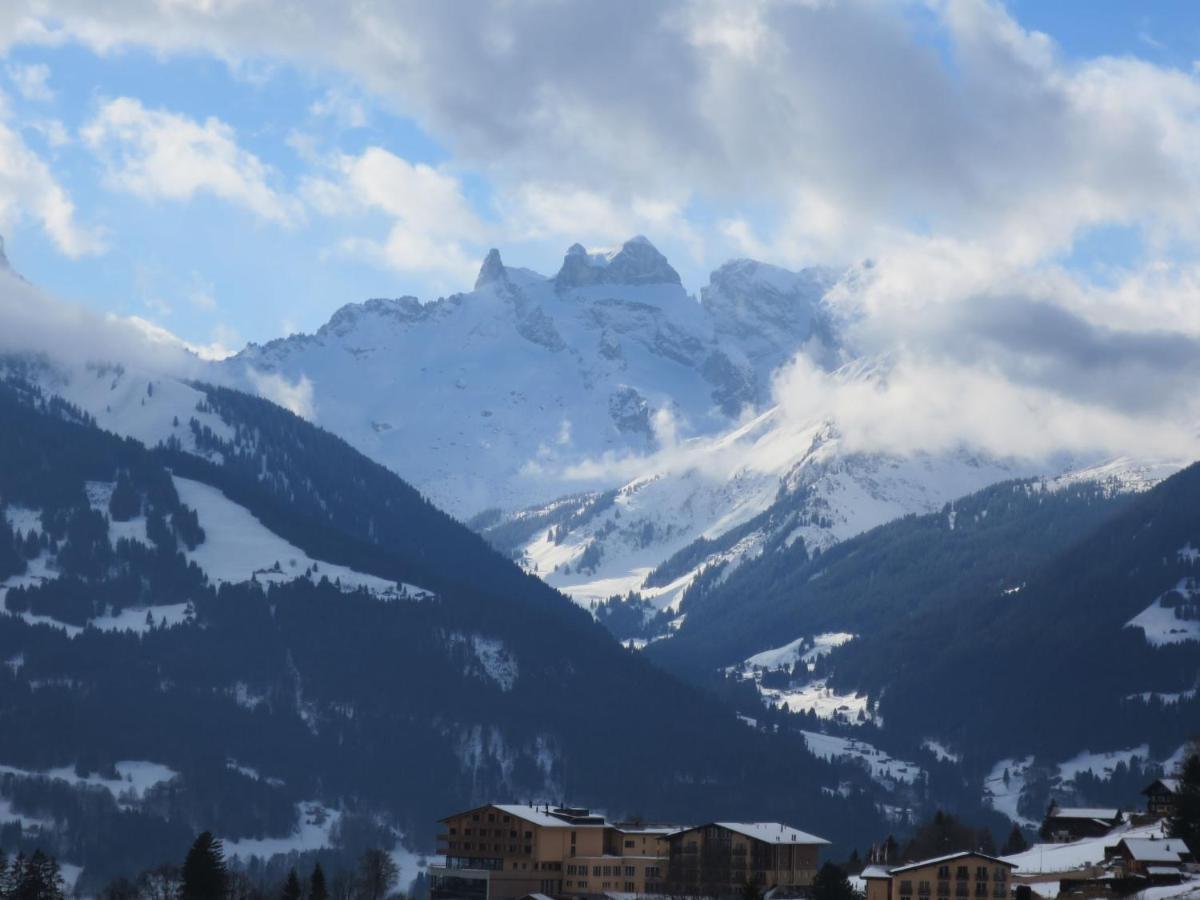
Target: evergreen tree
x,y
291,887
316,884
831,883
1015,842
1185,823
40,879
377,874
125,503
204,875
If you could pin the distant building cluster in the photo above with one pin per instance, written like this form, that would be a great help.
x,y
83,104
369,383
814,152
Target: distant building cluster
x,y
543,852
506,852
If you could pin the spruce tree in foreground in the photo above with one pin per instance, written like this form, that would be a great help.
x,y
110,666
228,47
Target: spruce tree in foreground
x,y
204,875
316,884
831,883
291,887
1015,843
1185,823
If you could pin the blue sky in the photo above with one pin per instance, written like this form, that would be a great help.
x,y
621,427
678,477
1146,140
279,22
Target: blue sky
x,y
232,186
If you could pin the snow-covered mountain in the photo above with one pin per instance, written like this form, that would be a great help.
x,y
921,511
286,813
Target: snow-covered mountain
x,y
498,397
723,501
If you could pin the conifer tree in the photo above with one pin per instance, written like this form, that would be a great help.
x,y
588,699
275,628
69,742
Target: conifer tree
x,y
1015,843
124,504
204,875
831,883
1185,822
316,884
291,887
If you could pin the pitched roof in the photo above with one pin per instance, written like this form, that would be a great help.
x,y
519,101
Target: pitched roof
x,y
1084,812
536,815
875,872
1171,785
951,856
772,832
1156,850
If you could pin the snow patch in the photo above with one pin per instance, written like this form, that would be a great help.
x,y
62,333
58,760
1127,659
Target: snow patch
x,y
883,768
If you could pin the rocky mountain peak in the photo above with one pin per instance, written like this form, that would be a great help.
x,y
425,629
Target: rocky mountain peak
x,y
492,271
637,262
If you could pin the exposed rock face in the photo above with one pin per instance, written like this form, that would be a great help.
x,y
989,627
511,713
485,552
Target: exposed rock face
x,y
638,262
492,271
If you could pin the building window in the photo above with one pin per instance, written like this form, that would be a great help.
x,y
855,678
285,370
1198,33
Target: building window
x,y
981,889
629,845
943,889
491,817
529,835
507,819
906,888
981,873
453,830
923,888
962,874
998,890
651,871
943,871
962,889
629,887
1001,873
629,871
475,818
596,871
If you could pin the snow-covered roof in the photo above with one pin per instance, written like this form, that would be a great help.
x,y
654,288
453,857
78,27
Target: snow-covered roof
x,y
1085,812
1162,870
1171,784
937,860
538,815
772,832
875,872
1150,850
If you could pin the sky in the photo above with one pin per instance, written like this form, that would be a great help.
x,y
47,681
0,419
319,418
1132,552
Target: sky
x,y
235,171
1017,184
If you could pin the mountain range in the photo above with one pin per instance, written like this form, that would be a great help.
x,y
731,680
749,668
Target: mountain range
x,y
373,586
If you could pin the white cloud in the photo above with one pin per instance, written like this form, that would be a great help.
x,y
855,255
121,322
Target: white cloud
x,y
432,220
294,396
338,105
28,189
31,81
158,154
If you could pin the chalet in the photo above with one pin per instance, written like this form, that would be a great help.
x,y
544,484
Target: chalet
x,y
718,859
1159,860
1073,823
968,875
1162,797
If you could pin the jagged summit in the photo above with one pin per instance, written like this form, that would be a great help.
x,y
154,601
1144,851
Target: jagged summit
x,y
638,262
492,271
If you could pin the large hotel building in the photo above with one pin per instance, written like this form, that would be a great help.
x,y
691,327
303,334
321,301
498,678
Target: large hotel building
x,y
508,851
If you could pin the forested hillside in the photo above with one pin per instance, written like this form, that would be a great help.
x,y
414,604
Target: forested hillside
x,y
379,667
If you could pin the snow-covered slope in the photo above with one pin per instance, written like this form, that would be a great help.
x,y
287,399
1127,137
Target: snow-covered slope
x,y
722,500
494,398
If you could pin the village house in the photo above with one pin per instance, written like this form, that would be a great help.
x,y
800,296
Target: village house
x,y
968,875
1162,797
1073,823
720,858
1159,860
